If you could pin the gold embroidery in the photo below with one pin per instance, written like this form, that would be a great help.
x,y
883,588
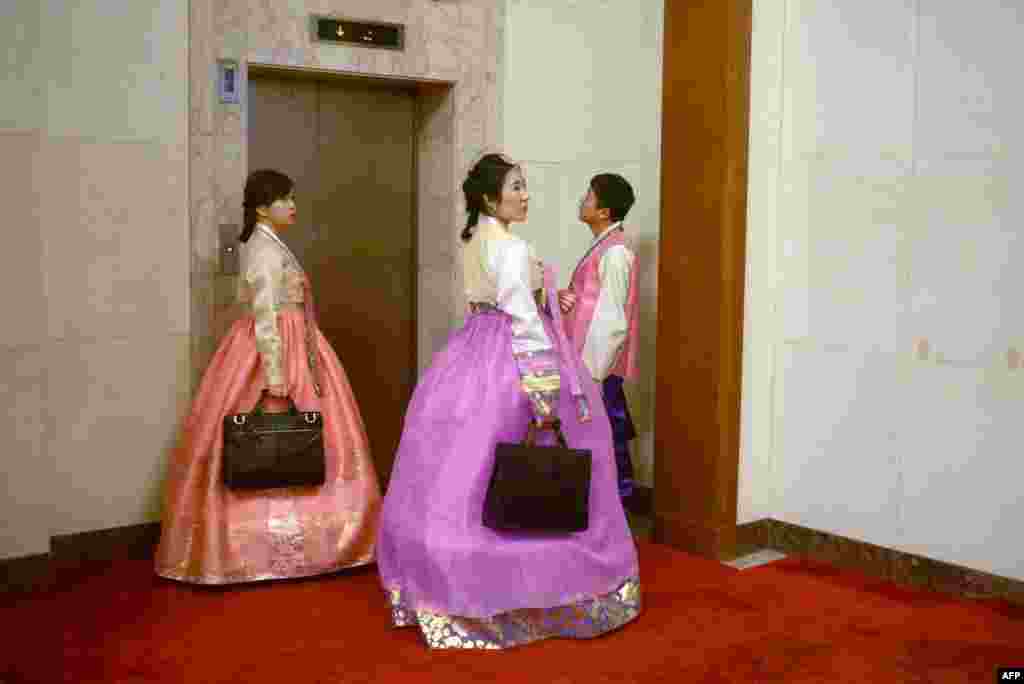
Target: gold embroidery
x,y
292,541
584,619
541,383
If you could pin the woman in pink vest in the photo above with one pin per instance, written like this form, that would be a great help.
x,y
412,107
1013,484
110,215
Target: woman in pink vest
x,y
601,308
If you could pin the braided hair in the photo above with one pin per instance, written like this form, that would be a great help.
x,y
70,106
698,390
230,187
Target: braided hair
x,y
486,178
262,188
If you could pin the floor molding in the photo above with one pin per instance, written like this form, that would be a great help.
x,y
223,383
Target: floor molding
x,y
130,541
41,571
877,561
641,502
26,574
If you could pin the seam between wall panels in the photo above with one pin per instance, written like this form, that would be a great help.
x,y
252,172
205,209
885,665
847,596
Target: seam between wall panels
x,y
777,332
915,48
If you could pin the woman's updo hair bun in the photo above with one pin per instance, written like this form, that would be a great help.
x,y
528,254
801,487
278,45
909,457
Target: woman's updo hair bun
x,y
486,178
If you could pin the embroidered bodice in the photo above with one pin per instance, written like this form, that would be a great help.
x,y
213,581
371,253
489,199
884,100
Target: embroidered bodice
x,y
270,278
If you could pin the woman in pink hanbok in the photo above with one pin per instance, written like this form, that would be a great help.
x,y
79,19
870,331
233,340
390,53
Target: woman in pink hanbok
x,y
215,535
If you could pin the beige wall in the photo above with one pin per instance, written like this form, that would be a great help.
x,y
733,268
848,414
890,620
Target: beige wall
x,y
94,350
881,369
122,175
582,95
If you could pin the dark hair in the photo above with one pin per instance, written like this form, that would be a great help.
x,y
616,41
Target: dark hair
x,y
485,178
262,188
614,193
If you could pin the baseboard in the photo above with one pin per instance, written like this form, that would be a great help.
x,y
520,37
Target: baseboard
x,y
878,561
130,541
641,502
40,572
758,534
26,574
700,537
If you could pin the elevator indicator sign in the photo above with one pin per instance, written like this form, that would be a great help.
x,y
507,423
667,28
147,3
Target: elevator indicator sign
x,y
365,34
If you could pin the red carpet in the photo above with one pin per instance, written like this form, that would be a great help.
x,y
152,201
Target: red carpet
x,y
790,621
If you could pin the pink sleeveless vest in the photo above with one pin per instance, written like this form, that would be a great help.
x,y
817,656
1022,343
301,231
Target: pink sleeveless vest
x,y
586,284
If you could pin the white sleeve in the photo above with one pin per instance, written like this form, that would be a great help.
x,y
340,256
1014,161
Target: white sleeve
x,y
609,326
510,262
263,271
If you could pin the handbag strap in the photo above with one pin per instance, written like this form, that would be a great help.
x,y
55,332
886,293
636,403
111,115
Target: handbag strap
x,y
554,425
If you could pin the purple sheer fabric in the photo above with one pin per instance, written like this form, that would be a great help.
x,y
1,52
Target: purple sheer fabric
x,y
565,350
433,548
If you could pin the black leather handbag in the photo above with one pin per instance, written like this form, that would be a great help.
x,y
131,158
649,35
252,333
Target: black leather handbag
x,y
268,450
539,488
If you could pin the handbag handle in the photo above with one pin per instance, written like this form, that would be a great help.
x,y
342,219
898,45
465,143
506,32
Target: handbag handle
x,y
554,425
257,410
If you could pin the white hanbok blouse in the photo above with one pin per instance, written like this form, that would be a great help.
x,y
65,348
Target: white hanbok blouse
x,y
270,279
502,269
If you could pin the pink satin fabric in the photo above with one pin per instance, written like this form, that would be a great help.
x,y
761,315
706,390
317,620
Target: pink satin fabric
x,y
213,535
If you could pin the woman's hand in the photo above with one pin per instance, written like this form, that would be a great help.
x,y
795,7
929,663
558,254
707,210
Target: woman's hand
x,y
546,422
566,300
277,391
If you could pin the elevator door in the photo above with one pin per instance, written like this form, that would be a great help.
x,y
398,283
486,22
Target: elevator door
x,y
349,148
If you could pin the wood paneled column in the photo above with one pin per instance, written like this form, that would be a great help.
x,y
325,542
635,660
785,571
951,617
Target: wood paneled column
x,y
706,91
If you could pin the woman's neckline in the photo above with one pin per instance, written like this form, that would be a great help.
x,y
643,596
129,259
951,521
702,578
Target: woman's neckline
x,y
490,220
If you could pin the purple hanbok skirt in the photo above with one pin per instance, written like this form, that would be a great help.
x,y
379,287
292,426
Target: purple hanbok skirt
x,y
465,585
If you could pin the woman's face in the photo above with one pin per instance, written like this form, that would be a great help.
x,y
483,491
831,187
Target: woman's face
x,y
281,213
514,199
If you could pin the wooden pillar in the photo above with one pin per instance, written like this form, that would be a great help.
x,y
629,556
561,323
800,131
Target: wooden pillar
x,y
705,114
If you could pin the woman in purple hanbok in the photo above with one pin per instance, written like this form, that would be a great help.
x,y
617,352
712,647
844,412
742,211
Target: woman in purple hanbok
x,y
465,585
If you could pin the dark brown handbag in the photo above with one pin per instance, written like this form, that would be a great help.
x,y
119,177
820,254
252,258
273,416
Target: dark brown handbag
x,y
539,488
268,450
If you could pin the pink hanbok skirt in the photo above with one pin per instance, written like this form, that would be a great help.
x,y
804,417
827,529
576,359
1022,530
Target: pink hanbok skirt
x,y
214,535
